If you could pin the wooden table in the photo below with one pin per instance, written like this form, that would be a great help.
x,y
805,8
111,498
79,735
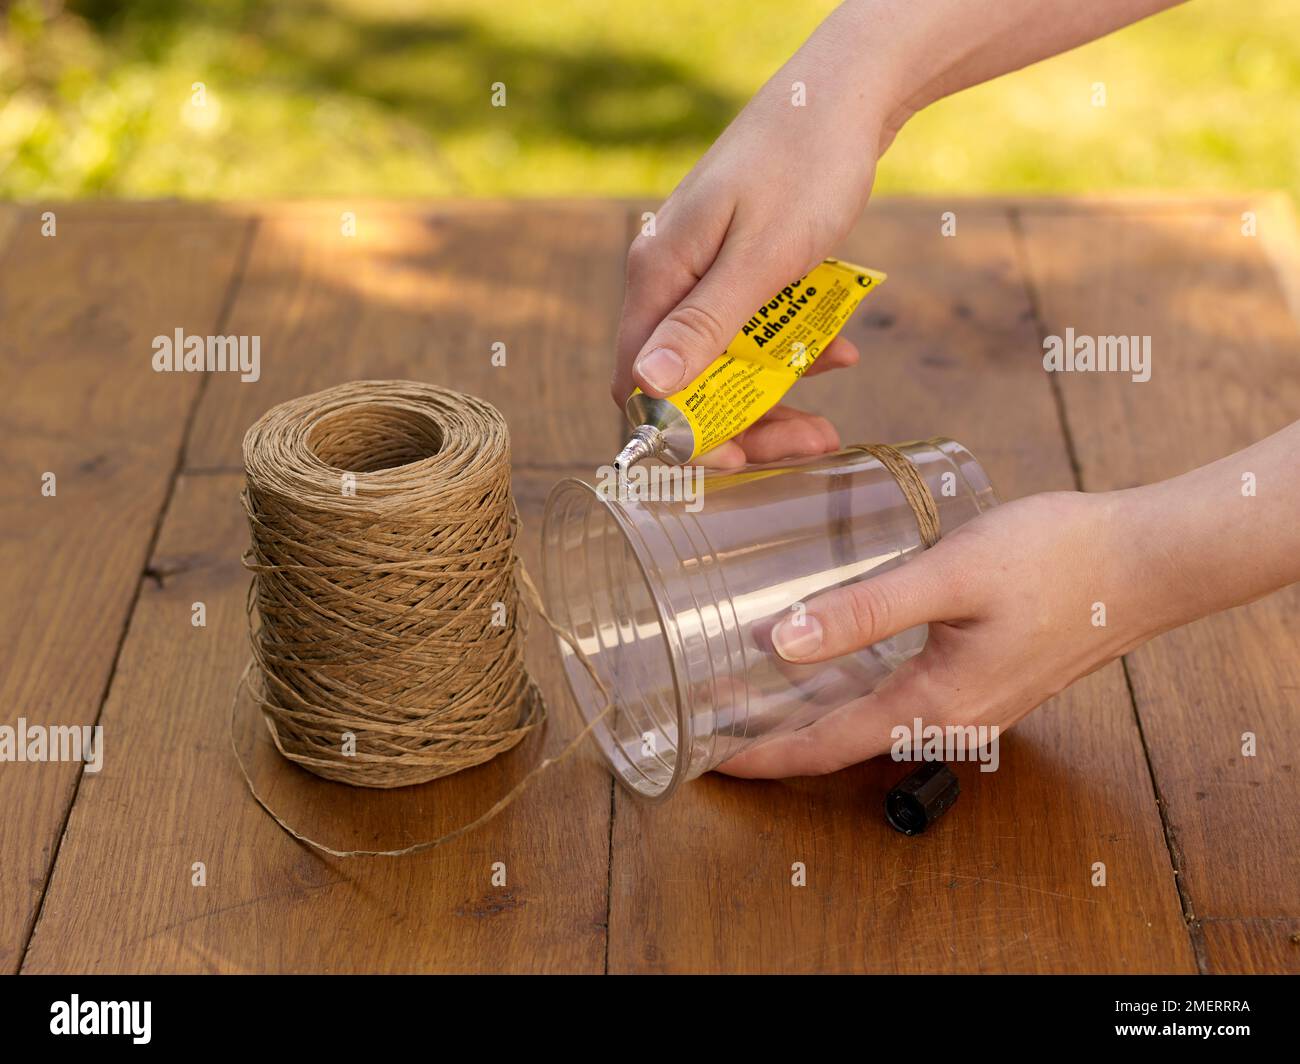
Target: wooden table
x,y
1139,766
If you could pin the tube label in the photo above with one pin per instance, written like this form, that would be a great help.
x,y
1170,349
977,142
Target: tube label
x,y
772,351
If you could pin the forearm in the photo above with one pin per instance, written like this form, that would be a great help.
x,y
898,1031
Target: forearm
x,y
881,61
1218,536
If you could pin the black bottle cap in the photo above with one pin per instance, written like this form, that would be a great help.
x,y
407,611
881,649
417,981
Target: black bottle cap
x,y
921,798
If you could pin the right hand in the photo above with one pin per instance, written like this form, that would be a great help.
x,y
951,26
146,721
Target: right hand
x,y
767,202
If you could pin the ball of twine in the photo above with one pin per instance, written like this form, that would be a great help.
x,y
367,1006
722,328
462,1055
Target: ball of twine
x,y
388,645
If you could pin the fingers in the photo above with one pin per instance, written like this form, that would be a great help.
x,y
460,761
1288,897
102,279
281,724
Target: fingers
x,y
729,455
932,586
658,283
783,432
657,280
839,354
853,733
699,327
690,289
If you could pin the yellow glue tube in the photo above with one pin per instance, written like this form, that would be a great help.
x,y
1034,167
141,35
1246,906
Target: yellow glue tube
x,y
773,350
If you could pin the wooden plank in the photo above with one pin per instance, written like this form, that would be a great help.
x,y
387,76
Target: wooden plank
x,y
9,215
426,292
702,883
170,795
80,400
1225,373
174,796
1252,947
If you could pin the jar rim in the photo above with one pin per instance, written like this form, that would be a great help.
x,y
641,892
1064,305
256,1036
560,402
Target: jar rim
x,y
668,633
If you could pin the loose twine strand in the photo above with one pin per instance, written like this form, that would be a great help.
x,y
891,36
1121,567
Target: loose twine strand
x,y
384,614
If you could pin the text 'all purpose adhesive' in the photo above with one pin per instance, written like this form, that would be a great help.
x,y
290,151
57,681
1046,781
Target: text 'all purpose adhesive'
x,y
773,349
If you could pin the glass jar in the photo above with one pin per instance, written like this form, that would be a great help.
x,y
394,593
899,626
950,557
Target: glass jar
x,y
673,599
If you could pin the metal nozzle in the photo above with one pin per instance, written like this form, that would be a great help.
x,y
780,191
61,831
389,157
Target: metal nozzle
x,y
646,442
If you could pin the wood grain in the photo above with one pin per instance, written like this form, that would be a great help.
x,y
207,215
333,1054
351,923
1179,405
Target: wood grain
x,y
81,400
173,795
703,883
9,216
1252,947
1225,373
426,291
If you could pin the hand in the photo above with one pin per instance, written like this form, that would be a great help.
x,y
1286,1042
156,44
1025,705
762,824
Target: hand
x,y
789,177
768,201
1011,600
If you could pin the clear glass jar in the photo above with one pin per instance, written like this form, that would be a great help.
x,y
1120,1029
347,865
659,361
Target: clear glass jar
x,y
674,608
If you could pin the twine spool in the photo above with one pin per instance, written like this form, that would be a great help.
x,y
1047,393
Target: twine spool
x,y
389,646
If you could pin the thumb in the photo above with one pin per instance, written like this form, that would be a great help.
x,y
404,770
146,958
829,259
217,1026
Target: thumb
x,y
933,586
699,328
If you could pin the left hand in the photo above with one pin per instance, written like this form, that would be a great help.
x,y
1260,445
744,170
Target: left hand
x,y
1012,601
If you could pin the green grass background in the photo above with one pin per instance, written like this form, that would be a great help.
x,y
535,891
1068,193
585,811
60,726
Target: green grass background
x,y
605,97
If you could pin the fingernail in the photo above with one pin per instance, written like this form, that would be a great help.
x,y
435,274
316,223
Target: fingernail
x,y
661,369
797,641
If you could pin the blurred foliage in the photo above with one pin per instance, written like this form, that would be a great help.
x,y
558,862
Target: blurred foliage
x,y
392,97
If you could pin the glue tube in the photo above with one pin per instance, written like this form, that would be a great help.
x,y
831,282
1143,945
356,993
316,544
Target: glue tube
x,y
772,351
